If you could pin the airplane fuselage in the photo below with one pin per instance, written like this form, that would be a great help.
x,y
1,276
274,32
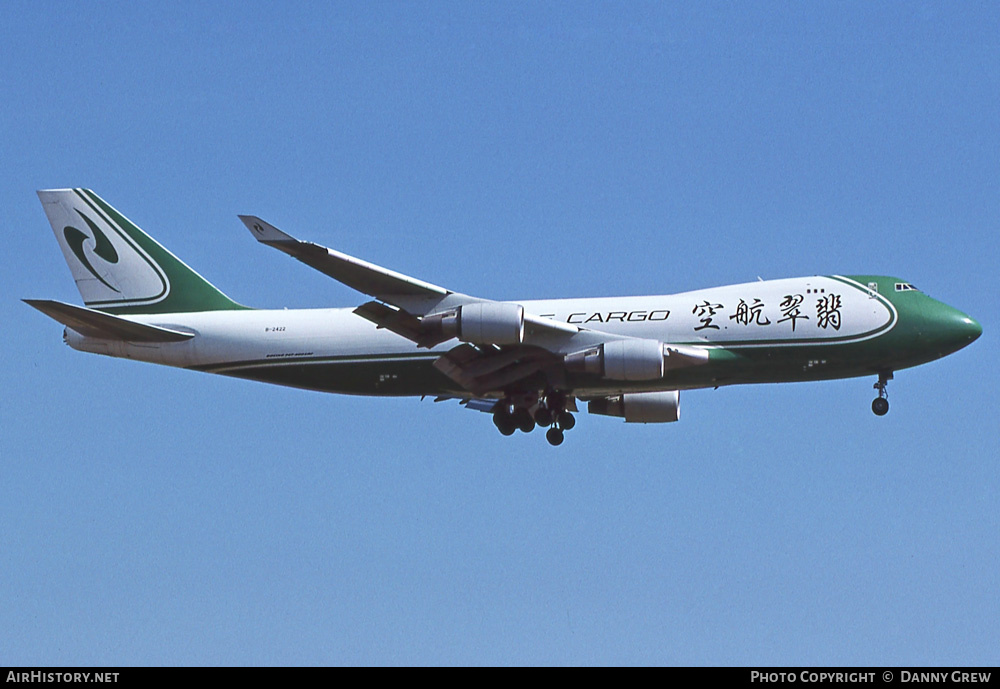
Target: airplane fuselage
x,y
771,331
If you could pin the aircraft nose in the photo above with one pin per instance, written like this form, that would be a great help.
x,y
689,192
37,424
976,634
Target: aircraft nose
x,y
957,328
969,328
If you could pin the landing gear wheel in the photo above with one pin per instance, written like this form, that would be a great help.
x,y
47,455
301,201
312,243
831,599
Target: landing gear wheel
x,y
522,419
880,406
566,420
543,417
554,436
504,422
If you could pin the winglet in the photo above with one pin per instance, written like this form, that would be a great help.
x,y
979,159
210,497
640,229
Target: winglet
x,y
264,231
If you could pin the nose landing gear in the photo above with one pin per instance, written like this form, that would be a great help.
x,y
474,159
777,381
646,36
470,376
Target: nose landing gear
x,y
880,405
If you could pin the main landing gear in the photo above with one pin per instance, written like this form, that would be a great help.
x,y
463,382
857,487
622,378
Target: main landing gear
x,y
525,412
880,405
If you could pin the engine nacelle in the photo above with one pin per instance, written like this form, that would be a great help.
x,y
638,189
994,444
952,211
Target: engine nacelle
x,y
620,360
482,323
640,407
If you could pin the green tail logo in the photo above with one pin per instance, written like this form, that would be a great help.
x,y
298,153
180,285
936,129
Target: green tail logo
x,y
102,247
118,268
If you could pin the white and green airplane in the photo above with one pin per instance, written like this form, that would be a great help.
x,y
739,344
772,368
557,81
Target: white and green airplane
x,y
526,362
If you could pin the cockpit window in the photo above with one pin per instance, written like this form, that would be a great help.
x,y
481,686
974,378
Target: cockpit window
x,y
905,287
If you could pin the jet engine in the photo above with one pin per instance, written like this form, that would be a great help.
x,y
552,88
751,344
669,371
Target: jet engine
x,y
635,359
481,323
640,407
620,360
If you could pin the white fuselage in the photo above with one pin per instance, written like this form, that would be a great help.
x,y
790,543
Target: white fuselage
x,y
797,311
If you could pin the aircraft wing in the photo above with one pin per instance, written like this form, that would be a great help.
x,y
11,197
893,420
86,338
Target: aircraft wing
x,y
501,344
402,300
416,296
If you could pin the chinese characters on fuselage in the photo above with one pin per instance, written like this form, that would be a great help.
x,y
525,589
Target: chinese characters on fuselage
x,y
705,311
791,307
750,314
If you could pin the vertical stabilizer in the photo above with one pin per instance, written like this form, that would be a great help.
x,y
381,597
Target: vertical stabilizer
x,y
118,268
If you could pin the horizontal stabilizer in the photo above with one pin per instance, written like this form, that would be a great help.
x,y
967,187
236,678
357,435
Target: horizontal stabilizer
x,y
91,323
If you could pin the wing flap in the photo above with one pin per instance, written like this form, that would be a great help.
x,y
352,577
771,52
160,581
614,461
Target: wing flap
x,y
91,323
400,322
487,371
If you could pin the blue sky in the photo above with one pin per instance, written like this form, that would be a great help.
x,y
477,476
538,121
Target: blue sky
x,y
157,516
